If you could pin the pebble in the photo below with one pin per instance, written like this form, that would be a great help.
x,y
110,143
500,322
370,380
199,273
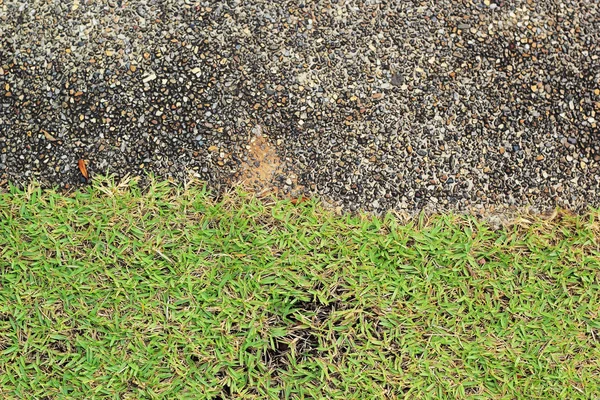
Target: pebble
x,y
397,79
149,77
505,105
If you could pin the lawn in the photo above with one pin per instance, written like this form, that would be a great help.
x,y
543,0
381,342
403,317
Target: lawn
x,y
164,293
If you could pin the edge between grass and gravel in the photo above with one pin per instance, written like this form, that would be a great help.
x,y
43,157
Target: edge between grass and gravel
x,y
166,292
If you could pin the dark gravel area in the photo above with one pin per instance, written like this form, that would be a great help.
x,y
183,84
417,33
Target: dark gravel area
x,y
373,104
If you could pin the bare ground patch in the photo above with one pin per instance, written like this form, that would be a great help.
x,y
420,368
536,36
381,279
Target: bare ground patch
x,y
263,172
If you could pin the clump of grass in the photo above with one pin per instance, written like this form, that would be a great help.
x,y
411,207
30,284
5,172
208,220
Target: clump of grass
x,y
167,293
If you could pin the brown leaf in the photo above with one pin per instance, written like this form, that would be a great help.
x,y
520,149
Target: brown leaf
x,y
83,169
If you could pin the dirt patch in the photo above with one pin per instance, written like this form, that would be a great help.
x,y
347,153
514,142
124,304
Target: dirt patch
x,y
263,172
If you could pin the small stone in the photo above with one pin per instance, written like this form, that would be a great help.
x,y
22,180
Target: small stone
x,y
150,77
539,158
397,79
48,136
213,148
132,68
596,91
409,149
377,96
109,53
288,182
501,150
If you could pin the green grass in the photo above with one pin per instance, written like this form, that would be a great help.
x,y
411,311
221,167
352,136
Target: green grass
x,y
116,292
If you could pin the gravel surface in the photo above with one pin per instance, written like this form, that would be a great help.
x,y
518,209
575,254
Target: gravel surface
x,y
371,104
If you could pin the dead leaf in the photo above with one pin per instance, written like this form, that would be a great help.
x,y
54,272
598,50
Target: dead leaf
x,y
83,169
